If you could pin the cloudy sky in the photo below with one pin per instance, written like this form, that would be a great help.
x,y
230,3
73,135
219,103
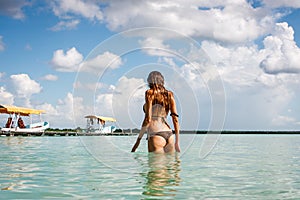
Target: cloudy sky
x,y
232,64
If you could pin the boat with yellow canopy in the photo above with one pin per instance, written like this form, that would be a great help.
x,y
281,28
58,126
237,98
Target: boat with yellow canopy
x,y
15,122
97,124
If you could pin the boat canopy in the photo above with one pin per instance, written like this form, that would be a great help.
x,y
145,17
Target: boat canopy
x,y
7,109
101,117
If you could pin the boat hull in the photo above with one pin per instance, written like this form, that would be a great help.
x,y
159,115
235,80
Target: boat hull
x,y
39,127
104,130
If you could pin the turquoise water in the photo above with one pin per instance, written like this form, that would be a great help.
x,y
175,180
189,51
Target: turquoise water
x,y
239,167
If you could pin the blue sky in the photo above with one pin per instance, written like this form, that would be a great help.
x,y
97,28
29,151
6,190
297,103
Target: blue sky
x,y
232,64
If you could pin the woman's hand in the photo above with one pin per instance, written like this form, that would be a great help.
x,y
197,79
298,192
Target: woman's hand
x,y
177,148
137,143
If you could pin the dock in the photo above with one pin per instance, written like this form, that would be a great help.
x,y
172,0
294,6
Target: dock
x,y
64,133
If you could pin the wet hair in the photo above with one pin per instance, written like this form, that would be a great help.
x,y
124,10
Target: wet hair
x,y
160,94
155,79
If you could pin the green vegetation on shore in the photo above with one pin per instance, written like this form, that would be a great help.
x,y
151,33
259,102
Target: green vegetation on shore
x,y
78,130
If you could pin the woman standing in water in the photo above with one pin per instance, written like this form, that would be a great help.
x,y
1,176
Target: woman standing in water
x,y
159,102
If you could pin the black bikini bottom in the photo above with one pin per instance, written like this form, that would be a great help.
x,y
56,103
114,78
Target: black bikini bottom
x,y
164,134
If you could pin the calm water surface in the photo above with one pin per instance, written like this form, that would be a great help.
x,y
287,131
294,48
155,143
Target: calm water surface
x,y
239,167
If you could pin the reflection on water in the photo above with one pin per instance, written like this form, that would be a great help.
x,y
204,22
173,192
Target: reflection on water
x,y
11,141
162,177
241,167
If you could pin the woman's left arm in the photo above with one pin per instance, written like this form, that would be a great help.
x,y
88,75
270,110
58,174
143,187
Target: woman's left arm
x,y
146,121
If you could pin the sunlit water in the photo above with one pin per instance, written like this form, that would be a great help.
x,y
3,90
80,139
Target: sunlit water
x,y
239,167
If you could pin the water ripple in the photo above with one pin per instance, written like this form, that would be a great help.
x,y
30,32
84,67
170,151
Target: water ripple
x,y
240,167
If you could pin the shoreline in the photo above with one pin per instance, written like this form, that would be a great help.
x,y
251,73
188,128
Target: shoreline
x,y
245,132
136,132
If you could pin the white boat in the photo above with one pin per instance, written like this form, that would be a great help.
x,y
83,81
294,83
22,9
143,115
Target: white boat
x,y
15,123
98,124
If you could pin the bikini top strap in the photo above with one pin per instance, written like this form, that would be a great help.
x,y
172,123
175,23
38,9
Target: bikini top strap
x,y
165,121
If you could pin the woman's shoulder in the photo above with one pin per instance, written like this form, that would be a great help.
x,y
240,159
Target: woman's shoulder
x,y
149,92
149,95
170,93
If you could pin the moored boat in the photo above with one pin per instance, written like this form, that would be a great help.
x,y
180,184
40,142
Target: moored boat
x,y
15,123
98,124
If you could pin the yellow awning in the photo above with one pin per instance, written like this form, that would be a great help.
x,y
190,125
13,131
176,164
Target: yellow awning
x,y
19,110
101,117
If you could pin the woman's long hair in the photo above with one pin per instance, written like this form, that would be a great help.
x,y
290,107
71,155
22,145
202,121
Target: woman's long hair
x,y
160,93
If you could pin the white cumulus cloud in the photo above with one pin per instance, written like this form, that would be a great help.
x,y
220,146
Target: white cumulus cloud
x,y
127,101
283,55
65,25
87,9
49,77
6,97
72,61
250,92
104,105
62,114
224,21
281,3
99,63
24,86
66,62
155,47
